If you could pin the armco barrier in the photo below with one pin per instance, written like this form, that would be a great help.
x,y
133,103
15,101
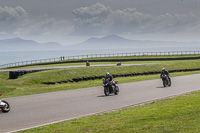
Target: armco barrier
x,y
121,75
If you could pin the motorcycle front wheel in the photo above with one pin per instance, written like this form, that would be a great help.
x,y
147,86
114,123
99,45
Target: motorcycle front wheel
x,y
170,83
164,83
6,108
106,91
116,90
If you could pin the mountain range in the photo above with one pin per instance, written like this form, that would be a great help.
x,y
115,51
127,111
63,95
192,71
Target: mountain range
x,y
107,42
17,44
114,41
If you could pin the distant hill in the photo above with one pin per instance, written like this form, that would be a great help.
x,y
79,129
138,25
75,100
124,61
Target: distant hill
x,y
20,44
107,42
114,41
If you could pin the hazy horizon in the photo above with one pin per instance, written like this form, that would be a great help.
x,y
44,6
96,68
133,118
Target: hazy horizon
x,y
70,22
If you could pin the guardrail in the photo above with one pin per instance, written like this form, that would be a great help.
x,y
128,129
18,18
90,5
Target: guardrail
x,y
62,58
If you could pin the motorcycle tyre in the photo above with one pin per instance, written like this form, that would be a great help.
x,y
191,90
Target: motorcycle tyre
x,y
116,90
106,91
164,83
6,110
170,84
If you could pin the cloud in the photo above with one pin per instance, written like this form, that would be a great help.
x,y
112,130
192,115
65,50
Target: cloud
x,y
176,22
94,11
11,18
16,22
50,26
9,14
98,19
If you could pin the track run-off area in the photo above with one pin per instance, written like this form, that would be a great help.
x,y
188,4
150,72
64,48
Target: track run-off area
x,y
47,108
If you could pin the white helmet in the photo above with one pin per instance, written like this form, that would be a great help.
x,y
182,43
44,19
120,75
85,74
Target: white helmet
x,y
163,69
107,73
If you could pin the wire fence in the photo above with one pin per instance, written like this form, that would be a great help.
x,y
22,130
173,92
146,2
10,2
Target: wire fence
x,y
63,58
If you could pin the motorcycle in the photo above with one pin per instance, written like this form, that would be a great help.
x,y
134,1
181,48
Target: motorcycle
x,y
87,63
4,106
119,64
110,87
166,81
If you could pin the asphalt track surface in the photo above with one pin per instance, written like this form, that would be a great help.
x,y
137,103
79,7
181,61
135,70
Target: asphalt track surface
x,y
41,109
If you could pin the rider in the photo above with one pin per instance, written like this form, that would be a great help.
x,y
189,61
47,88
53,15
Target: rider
x,y
119,64
109,76
87,63
164,71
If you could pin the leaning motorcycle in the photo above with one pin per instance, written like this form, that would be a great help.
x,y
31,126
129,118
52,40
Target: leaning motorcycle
x,y
110,87
4,106
165,80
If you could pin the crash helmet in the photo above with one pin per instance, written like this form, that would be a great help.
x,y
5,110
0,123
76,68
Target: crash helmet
x,y
107,73
163,69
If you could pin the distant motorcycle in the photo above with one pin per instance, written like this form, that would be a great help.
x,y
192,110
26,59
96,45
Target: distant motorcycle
x,y
110,87
119,64
4,106
87,63
166,81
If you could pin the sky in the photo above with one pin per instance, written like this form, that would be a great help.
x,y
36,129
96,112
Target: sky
x,y
73,21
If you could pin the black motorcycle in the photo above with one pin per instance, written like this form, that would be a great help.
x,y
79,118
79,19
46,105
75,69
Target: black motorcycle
x,y
110,87
87,63
4,106
166,81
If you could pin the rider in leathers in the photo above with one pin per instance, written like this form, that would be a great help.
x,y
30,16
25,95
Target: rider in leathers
x,y
109,77
164,71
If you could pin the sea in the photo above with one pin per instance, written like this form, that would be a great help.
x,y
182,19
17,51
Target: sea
x,y
7,57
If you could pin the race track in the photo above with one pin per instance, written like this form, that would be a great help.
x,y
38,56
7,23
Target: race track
x,y
41,109
60,67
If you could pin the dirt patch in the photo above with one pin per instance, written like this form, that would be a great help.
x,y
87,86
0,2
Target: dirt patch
x,y
70,72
